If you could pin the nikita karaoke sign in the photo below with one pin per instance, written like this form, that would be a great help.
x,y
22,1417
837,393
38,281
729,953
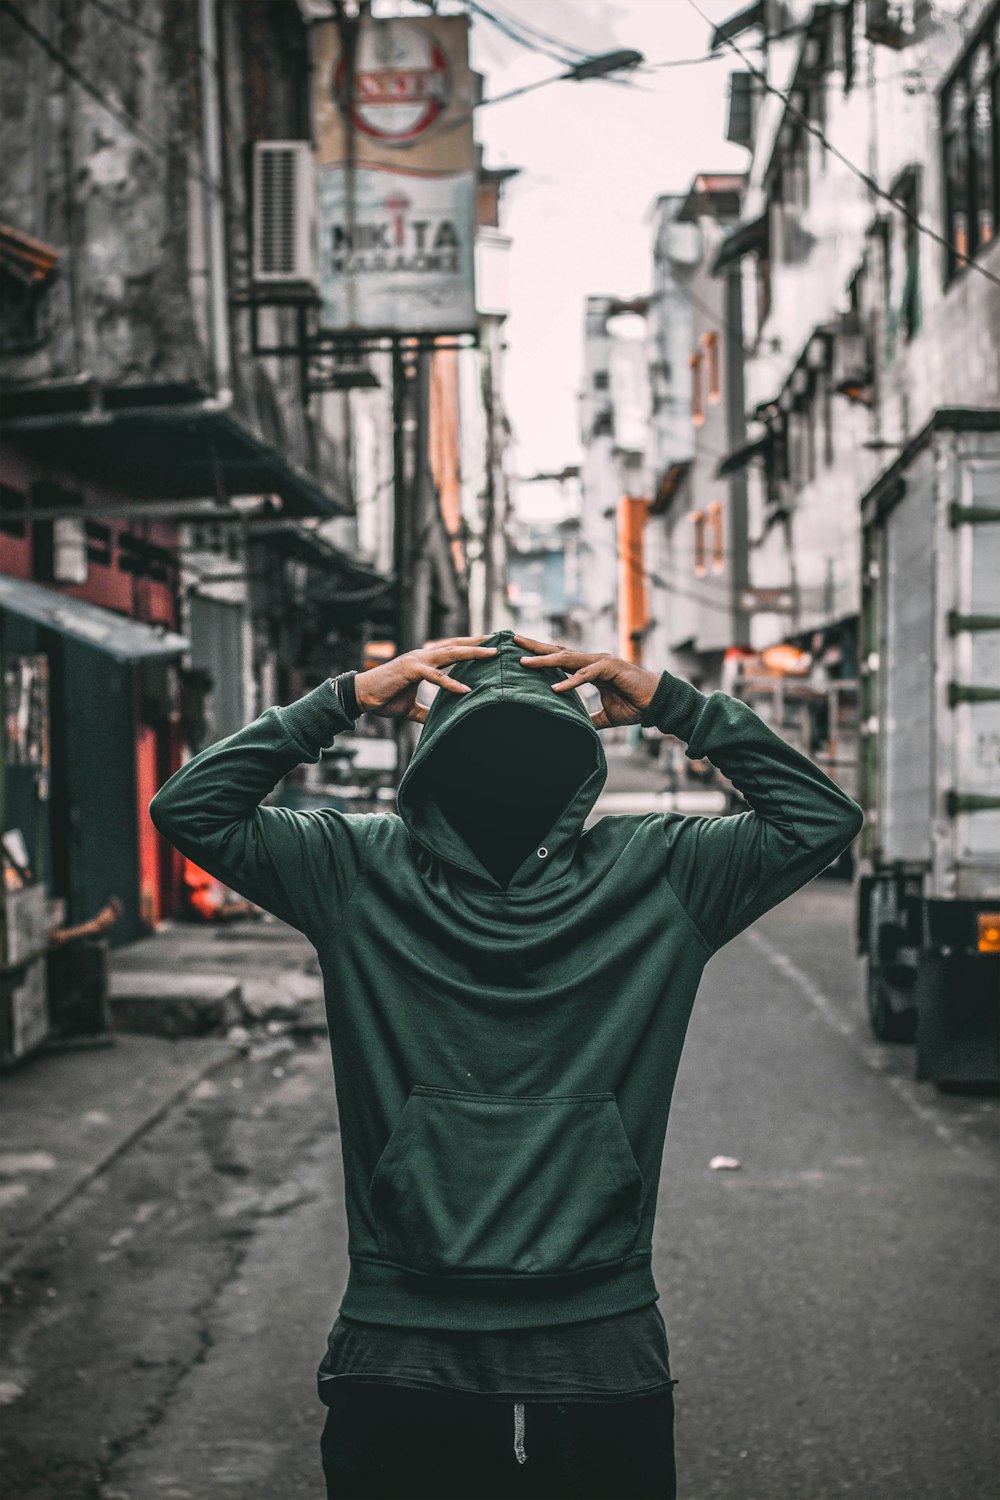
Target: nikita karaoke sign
x,y
397,203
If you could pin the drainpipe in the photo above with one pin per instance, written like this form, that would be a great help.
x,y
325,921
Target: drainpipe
x,y
213,210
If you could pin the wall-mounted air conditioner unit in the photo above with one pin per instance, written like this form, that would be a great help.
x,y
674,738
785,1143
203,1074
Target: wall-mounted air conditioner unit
x,y
284,214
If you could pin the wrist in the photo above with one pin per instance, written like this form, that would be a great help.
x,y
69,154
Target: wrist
x,y
344,686
364,704
643,695
674,707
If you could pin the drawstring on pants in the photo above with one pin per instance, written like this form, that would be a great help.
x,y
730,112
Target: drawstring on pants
x,y
519,1452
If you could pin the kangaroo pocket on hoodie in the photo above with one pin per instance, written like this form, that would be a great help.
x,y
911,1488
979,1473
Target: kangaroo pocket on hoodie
x,y
493,1185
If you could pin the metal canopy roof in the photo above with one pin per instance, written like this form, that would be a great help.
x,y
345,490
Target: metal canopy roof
x,y
736,25
743,239
738,459
117,635
162,443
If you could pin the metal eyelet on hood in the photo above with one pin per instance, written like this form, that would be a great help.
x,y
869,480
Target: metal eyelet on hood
x,y
543,852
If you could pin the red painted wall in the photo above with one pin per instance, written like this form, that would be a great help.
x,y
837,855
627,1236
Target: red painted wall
x,y
107,584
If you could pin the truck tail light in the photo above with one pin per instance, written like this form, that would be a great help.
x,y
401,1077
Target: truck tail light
x,y
988,923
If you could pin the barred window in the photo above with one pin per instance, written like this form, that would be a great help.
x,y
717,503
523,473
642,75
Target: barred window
x,y
697,398
969,105
698,522
718,545
711,346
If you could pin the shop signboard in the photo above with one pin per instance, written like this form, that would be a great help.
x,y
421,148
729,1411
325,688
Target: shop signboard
x,y
26,711
397,177
754,600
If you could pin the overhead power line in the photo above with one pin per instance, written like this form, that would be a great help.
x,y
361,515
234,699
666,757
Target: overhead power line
x,y
681,62
117,112
72,71
858,172
123,19
544,36
564,57
632,555
511,29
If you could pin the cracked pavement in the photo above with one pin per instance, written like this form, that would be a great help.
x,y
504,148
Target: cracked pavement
x,y
206,1259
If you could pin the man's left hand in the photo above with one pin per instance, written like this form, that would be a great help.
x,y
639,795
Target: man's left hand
x,y
625,689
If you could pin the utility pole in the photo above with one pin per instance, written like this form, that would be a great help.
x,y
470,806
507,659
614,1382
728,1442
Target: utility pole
x,y
490,512
404,364
405,481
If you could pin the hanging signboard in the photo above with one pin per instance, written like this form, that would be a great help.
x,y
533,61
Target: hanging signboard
x,y
397,177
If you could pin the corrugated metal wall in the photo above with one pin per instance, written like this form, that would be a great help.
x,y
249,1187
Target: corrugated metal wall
x,y
217,637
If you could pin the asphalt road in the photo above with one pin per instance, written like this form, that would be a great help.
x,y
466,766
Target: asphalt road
x,y
831,1305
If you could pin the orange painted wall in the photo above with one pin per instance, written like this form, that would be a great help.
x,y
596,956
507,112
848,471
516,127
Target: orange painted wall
x,y
147,782
633,609
443,445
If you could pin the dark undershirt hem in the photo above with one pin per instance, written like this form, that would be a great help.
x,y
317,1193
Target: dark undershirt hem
x,y
514,1393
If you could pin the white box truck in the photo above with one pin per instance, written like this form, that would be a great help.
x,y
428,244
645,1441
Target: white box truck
x,y
928,886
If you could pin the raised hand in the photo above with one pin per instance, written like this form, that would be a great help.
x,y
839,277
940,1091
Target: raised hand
x,y
625,689
390,690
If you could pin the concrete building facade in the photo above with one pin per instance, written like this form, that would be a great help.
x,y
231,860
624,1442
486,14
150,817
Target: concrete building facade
x,y
697,517
614,415
873,173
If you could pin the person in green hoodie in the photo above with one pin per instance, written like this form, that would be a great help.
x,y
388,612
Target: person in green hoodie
x,y
507,995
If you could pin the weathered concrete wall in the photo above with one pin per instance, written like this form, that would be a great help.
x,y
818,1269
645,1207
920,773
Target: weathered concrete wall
x,y
126,206
263,97
954,359
886,124
115,206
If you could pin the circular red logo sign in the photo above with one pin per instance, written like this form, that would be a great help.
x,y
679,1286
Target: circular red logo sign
x,y
401,82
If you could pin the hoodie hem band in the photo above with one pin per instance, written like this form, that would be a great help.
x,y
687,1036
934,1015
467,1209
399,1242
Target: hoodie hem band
x,y
378,1293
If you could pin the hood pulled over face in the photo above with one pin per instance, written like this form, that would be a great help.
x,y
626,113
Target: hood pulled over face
x,y
503,777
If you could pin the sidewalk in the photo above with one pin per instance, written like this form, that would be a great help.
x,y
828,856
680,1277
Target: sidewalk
x,y
274,967
65,1115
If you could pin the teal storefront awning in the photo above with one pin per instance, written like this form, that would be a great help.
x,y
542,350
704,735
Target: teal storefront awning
x,y
119,636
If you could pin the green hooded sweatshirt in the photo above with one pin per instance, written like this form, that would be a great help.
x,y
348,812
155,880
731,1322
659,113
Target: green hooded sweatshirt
x,y
505,1034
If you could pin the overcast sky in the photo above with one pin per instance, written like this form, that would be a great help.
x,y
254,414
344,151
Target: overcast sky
x,y
594,157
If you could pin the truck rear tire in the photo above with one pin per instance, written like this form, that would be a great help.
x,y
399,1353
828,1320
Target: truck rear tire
x,y
891,1010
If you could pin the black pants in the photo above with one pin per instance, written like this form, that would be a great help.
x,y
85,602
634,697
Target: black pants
x,y
392,1443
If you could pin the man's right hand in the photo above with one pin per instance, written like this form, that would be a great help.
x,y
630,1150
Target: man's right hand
x,y
390,691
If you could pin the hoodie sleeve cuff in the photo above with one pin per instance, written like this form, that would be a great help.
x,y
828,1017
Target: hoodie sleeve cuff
x,y
316,719
674,707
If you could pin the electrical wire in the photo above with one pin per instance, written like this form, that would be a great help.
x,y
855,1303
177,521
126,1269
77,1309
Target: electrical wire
x,y
563,57
680,62
71,71
123,19
717,55
864,177
507,28
537,31
117,112
718,320
655,579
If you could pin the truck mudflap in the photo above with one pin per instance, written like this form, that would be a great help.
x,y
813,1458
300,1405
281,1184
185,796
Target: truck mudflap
x,y
958,1017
